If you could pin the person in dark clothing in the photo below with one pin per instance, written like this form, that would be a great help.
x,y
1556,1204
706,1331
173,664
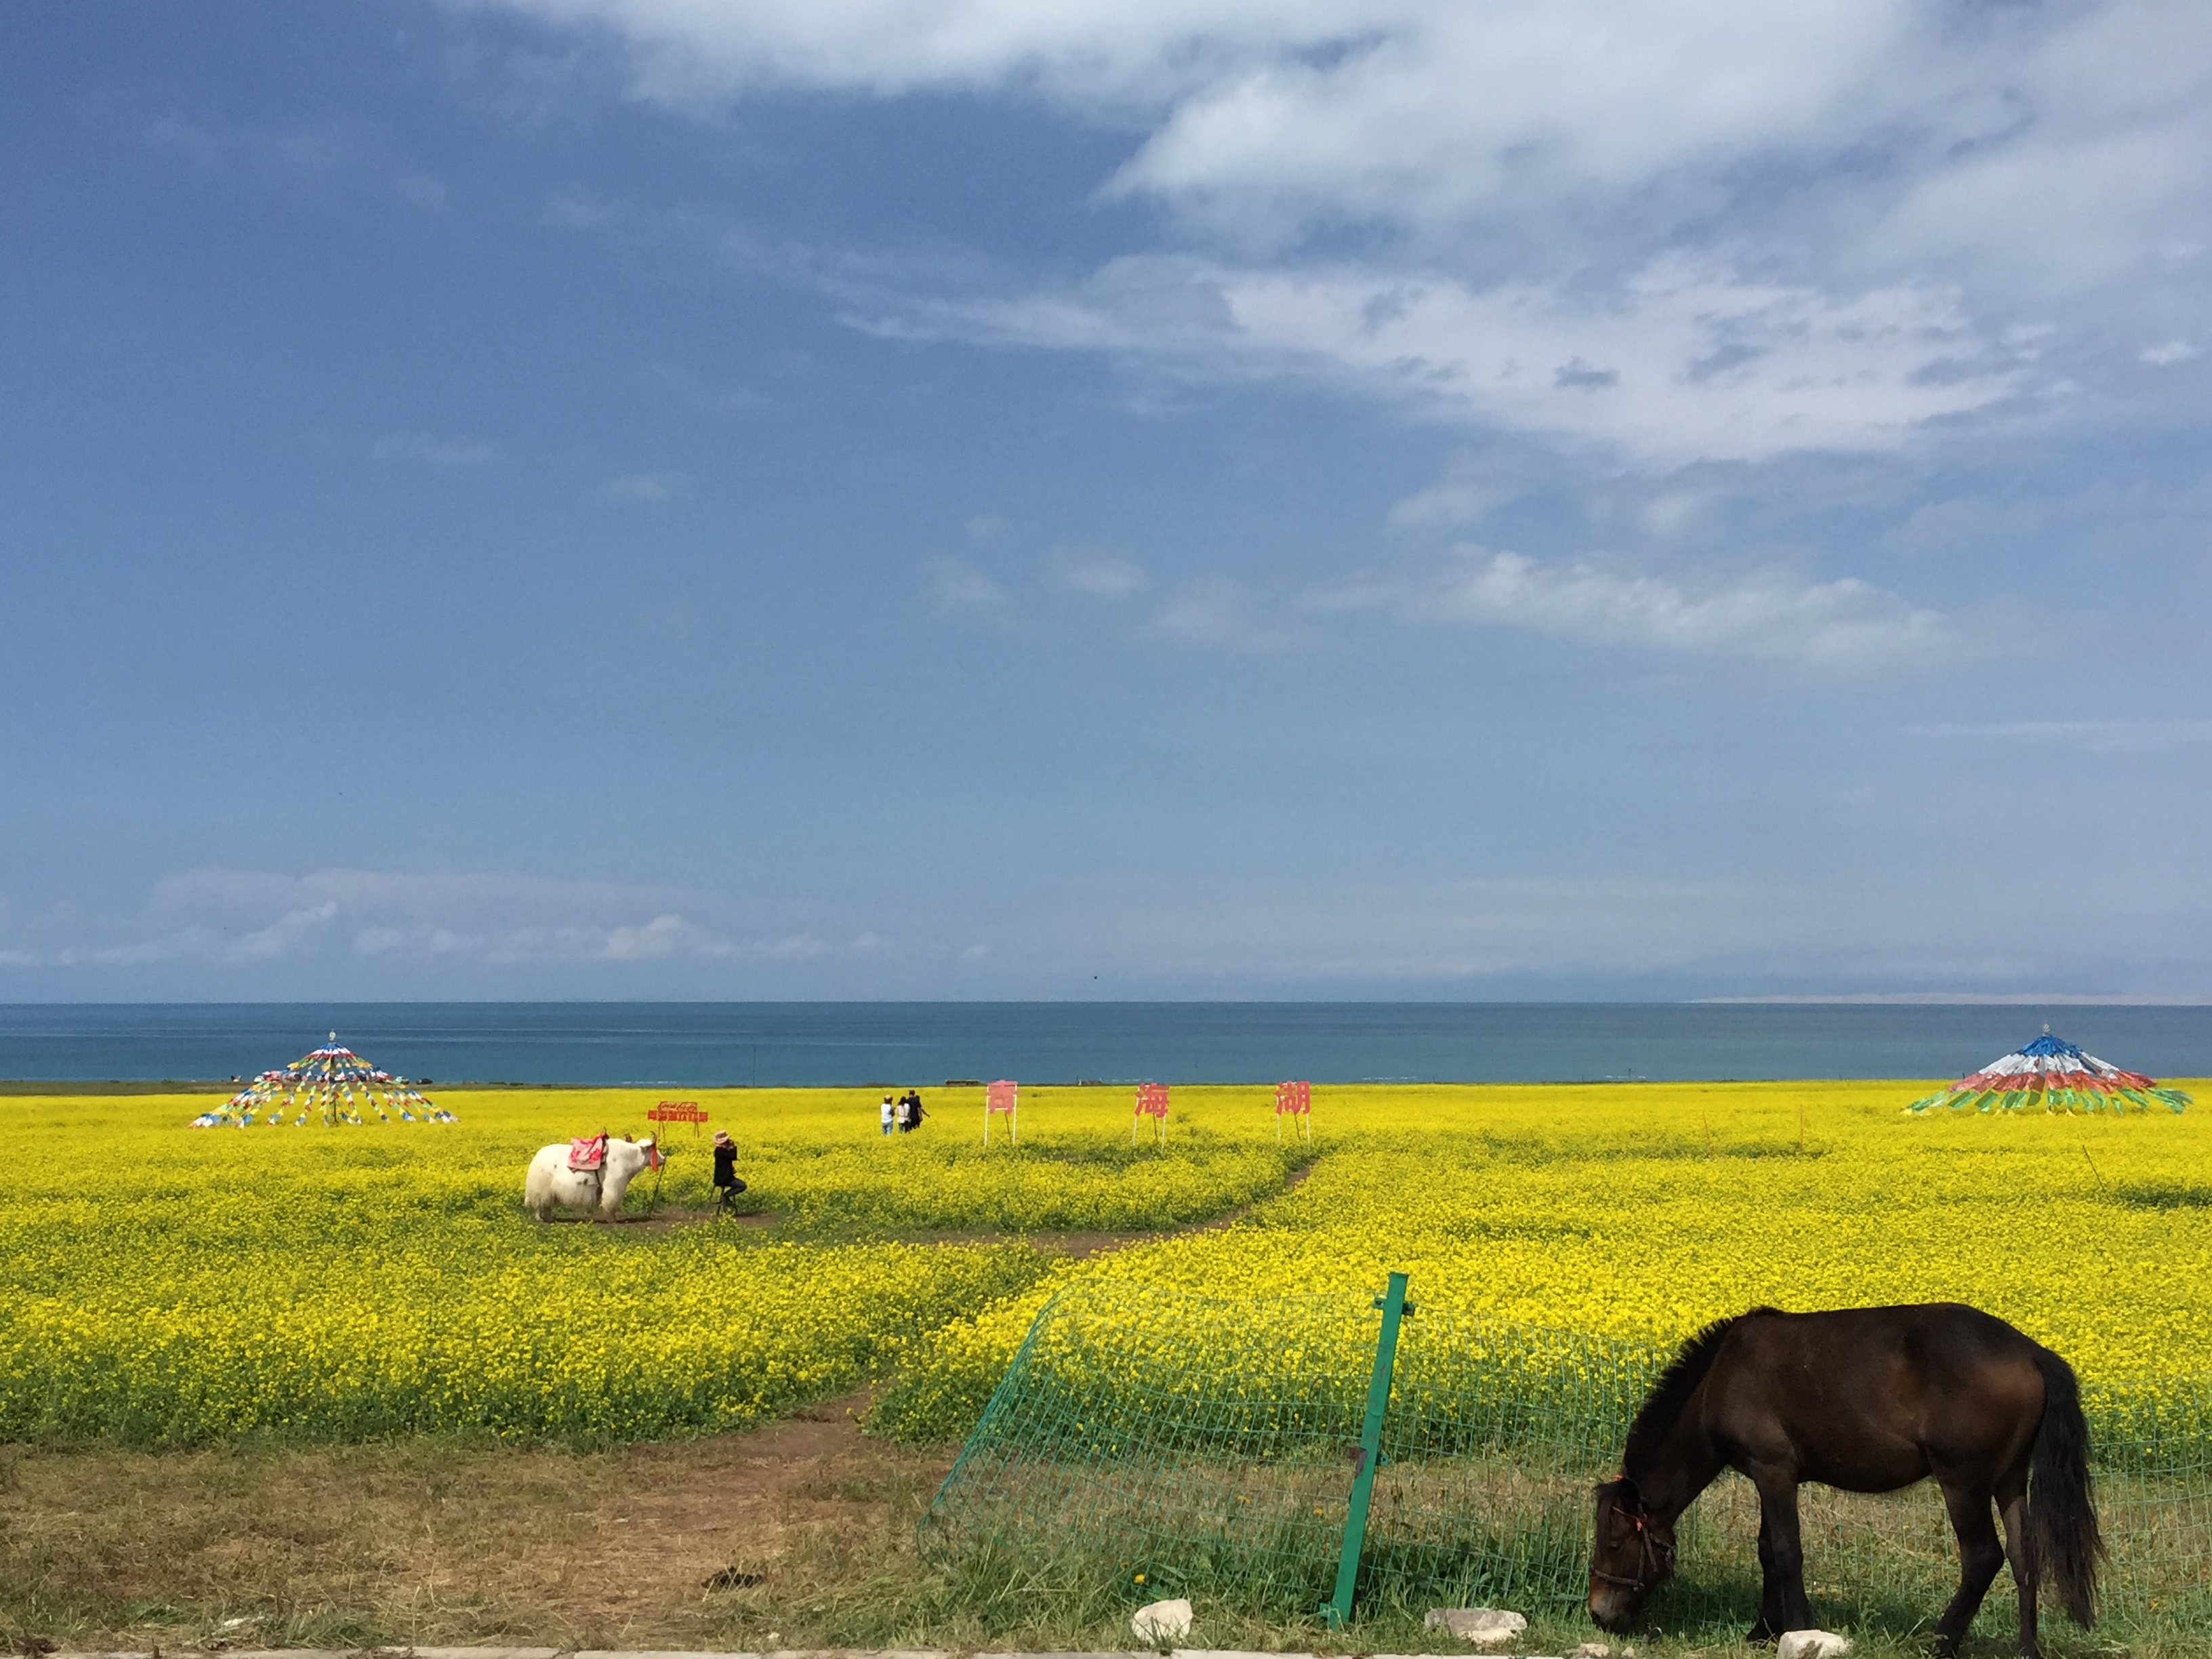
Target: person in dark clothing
x,y
910,1112
726,1184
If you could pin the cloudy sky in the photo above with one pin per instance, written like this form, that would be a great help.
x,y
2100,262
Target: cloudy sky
x,y
985,498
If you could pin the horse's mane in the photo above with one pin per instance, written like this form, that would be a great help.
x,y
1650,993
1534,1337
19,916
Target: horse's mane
x,y
1663,1406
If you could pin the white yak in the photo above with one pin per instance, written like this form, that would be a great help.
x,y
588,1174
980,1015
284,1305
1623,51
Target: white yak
x,y
551,1181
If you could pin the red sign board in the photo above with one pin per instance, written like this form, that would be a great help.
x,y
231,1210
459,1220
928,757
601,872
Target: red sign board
x,y
1295,1097
1002,1097
678,1111
1152,1099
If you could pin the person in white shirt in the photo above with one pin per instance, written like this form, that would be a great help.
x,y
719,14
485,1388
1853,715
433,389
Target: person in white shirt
x,y
891,1114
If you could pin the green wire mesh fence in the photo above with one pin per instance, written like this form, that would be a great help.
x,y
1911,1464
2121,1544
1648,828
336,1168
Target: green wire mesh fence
x,y
1151,1443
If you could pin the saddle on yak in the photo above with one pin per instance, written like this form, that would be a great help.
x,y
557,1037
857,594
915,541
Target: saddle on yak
x,y
587,1154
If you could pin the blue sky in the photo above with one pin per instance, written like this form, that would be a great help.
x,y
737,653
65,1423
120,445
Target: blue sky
x,y
700,498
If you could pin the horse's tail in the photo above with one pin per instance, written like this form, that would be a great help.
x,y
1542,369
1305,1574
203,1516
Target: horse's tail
x,y
2061,1511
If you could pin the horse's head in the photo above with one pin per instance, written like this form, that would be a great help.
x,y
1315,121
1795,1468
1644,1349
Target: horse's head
x,y
1633,1555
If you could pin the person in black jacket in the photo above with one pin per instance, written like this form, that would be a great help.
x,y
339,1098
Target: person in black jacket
x,y
726,1184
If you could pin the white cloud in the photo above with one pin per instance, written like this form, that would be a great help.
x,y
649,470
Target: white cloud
x,y
1099,575
1222,613
433,451
1963,520
238,915
664,936
1415,101
140,952
2037,149
1675,230
952,587
280,935
1768,615
1686,361
1448,502
2167,354
441,894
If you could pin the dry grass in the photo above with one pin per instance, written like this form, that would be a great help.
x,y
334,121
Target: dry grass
x,y
437,1542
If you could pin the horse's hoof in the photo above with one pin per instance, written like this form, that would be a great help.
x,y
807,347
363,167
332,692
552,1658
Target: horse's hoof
x,y
1759,1635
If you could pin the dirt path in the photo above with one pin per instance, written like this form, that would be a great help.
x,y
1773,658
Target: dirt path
x,y
438,1543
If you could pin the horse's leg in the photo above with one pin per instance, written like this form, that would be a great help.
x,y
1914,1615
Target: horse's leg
x,y
1763,1630
2012,1506
1980,1555
1782,1604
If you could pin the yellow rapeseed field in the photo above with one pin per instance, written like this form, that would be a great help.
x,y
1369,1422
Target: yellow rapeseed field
x,y
163,1285
1644,1210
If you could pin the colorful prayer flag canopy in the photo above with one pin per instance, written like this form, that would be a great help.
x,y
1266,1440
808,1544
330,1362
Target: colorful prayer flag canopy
x,y
333,1084
2054,1074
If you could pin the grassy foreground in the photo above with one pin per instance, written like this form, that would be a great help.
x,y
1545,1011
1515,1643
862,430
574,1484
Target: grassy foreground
x,y
426,1542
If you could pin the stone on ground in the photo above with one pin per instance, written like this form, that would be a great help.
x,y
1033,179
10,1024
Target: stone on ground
x,y
1161,1622
1812,1644
1486,1627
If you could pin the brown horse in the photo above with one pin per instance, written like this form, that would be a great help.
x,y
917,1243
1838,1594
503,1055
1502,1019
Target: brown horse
x,y
1862,1400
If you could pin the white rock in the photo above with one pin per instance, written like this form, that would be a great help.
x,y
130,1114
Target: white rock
x,y
1486,1627
1593,1650
1812,1644
1161,1622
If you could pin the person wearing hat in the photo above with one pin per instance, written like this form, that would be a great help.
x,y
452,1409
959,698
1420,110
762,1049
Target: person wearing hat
x,y
726,1184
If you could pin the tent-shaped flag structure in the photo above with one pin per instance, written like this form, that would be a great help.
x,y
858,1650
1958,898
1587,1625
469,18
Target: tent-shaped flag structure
x,y
332,1085
2054,1074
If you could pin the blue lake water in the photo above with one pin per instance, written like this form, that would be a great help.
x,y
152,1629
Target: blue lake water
x,y
697,1044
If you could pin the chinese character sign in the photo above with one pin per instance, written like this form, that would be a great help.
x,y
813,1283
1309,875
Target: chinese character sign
x,y
678,1111
1152,1102
1295,1099
1003,1096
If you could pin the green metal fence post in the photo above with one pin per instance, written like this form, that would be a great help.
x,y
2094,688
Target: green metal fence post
x,y
1337,1608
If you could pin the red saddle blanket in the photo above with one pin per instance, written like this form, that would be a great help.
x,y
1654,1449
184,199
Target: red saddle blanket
x,y
587,1152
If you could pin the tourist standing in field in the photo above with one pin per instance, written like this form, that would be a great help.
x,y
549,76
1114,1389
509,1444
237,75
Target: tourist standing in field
x,y
890,1115
726,1184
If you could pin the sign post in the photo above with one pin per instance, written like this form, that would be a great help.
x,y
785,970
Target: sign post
x,y
1296,1100
679,1111
1152,1102
1003,1096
